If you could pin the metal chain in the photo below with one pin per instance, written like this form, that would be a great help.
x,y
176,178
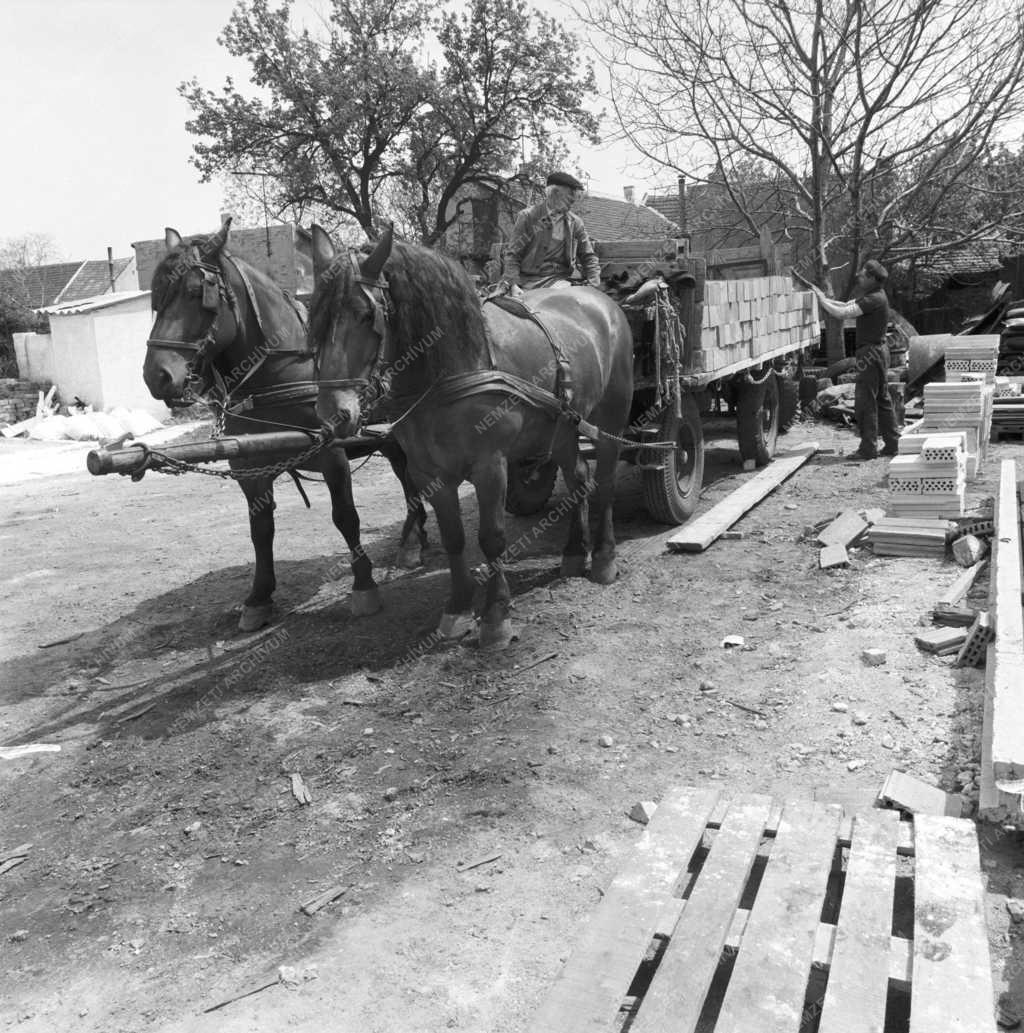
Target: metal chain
x,y
175,467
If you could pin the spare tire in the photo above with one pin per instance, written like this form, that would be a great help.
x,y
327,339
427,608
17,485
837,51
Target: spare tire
x,y
789,402
757,419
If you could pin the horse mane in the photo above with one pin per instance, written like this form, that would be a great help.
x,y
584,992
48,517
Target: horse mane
x,y
436,310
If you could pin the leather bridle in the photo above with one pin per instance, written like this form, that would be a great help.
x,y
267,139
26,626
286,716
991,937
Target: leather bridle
x,y
377,383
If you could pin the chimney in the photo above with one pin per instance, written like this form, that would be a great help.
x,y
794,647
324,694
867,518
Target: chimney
x,y
628,192
110,269
682,207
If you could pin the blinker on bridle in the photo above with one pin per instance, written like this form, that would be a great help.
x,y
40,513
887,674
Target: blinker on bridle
x,y
377,293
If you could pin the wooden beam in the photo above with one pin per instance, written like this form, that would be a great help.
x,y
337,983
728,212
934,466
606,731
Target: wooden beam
x,y
961,586
1008,684
697,535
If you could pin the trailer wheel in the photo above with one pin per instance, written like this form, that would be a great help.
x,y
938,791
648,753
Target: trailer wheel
x,y
529,486
789,402
672,480
757,420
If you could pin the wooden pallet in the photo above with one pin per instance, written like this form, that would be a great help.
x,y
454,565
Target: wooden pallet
x,y
742,915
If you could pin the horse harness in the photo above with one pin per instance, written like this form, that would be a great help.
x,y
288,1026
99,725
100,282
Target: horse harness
x,y
216,291
376,386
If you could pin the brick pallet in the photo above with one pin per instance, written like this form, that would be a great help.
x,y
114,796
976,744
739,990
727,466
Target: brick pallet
x,y
743,915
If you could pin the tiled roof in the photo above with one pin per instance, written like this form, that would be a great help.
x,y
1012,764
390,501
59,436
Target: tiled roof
x,y
712,218
608,218
976,256
666,204
91,279
39,286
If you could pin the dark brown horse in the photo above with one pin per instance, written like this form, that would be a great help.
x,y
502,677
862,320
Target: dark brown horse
x,y
405,326
227,334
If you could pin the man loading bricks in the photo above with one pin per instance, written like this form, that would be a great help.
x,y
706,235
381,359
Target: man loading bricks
x,y
873,408
549,240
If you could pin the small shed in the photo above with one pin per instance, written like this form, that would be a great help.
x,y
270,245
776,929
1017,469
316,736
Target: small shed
x,y
95,351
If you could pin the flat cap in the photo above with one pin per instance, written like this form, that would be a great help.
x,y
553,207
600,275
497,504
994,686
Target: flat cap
x,y
563,179
877,270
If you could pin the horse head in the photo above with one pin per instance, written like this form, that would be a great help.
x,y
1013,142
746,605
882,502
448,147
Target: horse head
x,y
196,318
348,328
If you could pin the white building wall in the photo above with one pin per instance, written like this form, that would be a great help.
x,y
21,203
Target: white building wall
x,y
120,334
98,356
34,353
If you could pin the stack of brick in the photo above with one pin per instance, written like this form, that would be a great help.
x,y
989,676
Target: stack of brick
x,y
928,479
18,400
744,319
972,359
963,407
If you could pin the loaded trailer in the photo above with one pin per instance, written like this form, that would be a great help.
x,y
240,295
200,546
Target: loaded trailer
x,y
701,346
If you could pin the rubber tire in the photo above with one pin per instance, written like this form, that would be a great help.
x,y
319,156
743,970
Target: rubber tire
x,y
671,494
524,497
757,420
789,402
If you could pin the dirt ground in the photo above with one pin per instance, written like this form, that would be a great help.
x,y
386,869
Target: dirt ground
x,y
169,856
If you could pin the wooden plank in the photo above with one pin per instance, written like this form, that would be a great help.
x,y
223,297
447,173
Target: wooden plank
x,y
696,943
766,991
901,951
697,535
1008,688
911,794
587,992
934,639
859,974
952,980
844,530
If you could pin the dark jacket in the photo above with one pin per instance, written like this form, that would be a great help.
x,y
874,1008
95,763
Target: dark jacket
x,y
531,241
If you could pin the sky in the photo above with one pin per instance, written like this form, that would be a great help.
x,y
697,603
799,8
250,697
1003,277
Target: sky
x,y
96,152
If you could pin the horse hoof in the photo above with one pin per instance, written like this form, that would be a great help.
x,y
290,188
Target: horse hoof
x,y
409,557
574,566
455,625
495,636
604,572
255,617
364,601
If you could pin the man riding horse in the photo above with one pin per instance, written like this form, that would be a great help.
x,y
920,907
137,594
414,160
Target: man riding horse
x,y
549,240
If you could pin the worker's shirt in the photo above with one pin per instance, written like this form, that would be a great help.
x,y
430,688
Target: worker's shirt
x,y
548,244
874,318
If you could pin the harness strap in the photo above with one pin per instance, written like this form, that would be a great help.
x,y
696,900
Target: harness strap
x,y
563,380
269,397
484,381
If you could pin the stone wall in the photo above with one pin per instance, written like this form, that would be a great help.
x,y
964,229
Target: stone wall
x,y
18,399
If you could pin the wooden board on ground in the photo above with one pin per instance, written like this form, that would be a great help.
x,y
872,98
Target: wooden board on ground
x,y
1008,687
740,931
933,640
952,986
698,534
858,985
911,794
590,988
844,530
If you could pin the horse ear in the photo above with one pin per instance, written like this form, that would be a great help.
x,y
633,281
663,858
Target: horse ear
x,y
172,238
214,243
323,250
371,266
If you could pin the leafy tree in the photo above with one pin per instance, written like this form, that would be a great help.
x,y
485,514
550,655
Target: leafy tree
x,y
873,114
19,256
360,116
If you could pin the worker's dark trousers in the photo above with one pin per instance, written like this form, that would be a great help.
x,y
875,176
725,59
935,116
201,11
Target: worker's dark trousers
x,y
872,404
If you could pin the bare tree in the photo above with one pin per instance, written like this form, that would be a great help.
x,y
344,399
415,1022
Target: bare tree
x,y
869,115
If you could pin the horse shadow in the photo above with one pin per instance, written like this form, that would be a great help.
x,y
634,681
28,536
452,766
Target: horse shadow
x,y
179,656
